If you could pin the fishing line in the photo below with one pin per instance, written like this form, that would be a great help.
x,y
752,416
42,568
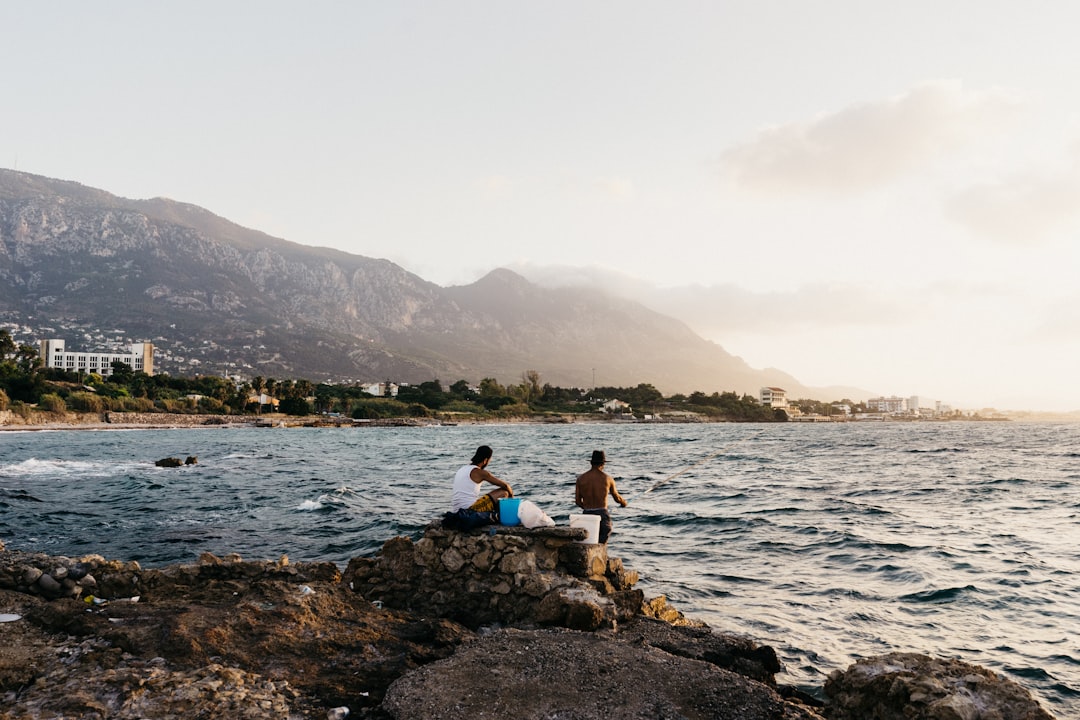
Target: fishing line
x,y
669,478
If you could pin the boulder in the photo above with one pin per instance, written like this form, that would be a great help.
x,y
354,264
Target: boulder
x,y
911,686
560,673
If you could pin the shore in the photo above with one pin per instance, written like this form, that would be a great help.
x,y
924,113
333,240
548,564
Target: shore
x,y
515,623
119,421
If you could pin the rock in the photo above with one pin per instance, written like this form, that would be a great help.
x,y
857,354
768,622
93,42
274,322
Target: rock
x,y
169,462
700,642
78,571
909,686
580,608
562,673
30,575
48,584
191,460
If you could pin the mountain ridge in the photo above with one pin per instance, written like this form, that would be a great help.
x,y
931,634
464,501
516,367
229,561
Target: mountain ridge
x,y
245,302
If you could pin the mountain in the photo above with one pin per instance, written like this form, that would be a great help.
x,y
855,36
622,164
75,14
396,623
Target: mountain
x,y
87,266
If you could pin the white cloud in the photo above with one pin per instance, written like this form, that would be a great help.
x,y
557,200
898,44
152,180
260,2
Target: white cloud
x,y
1024,209
867,145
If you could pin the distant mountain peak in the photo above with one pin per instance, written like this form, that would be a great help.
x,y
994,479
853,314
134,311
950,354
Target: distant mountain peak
x,y
215,297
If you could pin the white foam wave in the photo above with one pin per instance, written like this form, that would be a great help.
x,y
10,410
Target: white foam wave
x,y
309,505
34,467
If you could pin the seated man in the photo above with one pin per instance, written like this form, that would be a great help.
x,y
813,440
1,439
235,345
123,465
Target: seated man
x,y
467,482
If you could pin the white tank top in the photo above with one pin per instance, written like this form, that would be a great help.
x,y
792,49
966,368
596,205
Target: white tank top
x,y
465,490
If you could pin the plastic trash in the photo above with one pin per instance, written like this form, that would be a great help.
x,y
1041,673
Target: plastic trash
x,y
532,516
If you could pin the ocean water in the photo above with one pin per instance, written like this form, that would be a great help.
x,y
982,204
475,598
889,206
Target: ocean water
x,y
829,542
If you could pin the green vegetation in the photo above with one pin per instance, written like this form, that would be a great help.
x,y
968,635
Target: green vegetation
x,y
25,384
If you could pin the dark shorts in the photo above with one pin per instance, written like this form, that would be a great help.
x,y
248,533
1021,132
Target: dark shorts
x,y
605,522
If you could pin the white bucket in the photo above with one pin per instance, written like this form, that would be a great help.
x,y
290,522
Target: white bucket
x,y
591,523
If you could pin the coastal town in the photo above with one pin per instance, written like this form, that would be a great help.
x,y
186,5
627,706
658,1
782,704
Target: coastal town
x,y
108,350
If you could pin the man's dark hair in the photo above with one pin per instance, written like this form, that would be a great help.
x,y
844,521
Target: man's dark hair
x,y
482,453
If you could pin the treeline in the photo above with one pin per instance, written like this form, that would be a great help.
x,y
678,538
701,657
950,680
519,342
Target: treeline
x,y
26,385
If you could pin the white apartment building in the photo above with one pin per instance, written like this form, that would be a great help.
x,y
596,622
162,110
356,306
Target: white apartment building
x,y
891,405
140,357
380,389
774,397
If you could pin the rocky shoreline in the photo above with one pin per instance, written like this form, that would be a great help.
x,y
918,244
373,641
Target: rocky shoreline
x,y
40,420
494,623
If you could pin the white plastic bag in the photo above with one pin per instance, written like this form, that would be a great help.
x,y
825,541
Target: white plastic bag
x,y
531,516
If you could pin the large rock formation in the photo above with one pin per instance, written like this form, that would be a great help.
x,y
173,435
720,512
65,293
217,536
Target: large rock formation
x,y
274,639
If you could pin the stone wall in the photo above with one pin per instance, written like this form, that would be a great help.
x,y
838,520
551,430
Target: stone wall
x,y
507,576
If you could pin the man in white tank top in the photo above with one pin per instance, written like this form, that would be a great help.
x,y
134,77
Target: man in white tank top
x,y
467,484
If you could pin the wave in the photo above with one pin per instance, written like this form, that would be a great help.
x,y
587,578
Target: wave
x,y
941,596
18,495
1029,673
34,467
340,497
919,451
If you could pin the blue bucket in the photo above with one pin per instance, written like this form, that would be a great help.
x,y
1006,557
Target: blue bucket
x,y
508,511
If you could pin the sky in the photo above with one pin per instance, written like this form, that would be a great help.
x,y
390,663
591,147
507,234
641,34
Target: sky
x,y
868,194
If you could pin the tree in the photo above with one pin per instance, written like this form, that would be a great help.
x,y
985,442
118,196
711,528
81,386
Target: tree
x,y
530,382
462,391
304,388
293,405
28,359
121,372
7,345
490,387
258,384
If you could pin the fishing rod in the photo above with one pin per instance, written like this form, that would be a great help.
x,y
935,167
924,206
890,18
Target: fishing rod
x,y
669,478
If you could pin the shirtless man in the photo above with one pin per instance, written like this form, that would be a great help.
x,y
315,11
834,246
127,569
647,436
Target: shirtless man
x,y
592,490
467,483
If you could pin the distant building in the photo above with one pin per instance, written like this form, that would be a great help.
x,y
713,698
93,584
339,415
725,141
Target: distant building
x,y
616,406
263,399
380,389
889,405
140,357
774,397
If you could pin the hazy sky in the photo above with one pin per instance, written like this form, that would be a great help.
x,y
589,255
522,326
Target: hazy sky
x,y
883,195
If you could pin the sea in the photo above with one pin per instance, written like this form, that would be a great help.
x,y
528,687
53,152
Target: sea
x,y
830,542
